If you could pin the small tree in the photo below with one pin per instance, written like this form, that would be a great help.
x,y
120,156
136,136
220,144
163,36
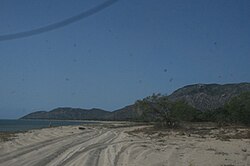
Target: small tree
x,y
181,111
157,108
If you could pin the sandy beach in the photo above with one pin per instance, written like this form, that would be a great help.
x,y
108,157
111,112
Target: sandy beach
x,y
108,145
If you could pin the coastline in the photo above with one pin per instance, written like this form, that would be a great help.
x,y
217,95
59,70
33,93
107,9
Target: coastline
x,y
118,144
22,125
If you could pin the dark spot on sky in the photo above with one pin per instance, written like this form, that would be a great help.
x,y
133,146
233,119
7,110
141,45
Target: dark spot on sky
x,y
171,80
109,30
66,79
74,45
165,70
131,54
140,81
219,76
215,43
74,60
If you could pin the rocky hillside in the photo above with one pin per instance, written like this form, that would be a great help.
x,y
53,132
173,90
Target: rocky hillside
x,y
208,96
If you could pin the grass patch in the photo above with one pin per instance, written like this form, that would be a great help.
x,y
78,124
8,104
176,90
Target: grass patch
x,y
4,136
201,130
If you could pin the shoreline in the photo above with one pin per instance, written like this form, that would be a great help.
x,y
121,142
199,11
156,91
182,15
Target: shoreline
x,y
22,125
17,125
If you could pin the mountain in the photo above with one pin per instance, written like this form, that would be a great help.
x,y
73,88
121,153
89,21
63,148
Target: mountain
x,y
127,113
208,96
201,96
67,113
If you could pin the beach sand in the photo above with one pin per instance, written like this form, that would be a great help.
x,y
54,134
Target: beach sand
x,y
108,145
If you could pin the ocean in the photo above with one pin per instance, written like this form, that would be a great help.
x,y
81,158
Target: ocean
x,y
25,125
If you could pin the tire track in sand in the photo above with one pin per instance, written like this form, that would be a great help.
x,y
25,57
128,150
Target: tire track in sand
x,y
74,143
96,148
30,148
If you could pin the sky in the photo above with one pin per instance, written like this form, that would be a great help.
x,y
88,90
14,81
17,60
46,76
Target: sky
x,y
120,54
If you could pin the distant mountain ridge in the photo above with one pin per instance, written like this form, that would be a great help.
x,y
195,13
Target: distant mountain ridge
x,y
126,113
201,96
67,113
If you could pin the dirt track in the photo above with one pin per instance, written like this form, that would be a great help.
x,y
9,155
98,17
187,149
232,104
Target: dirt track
x,y
100,146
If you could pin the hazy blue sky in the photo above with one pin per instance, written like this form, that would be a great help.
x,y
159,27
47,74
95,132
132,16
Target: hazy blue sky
x,y
123,53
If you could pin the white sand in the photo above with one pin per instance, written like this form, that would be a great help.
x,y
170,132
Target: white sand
x,y
100,146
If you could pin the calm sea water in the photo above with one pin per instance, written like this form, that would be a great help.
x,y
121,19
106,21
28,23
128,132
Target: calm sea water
x,y
24,125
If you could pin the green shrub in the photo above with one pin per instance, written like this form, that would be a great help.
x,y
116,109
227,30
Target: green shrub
x,y
166,113
239,109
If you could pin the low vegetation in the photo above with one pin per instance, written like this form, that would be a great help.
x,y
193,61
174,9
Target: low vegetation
x,y
236,111
198,130
160,109
165,113
6,136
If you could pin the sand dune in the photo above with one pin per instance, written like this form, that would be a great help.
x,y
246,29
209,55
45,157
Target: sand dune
x,y
104,146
